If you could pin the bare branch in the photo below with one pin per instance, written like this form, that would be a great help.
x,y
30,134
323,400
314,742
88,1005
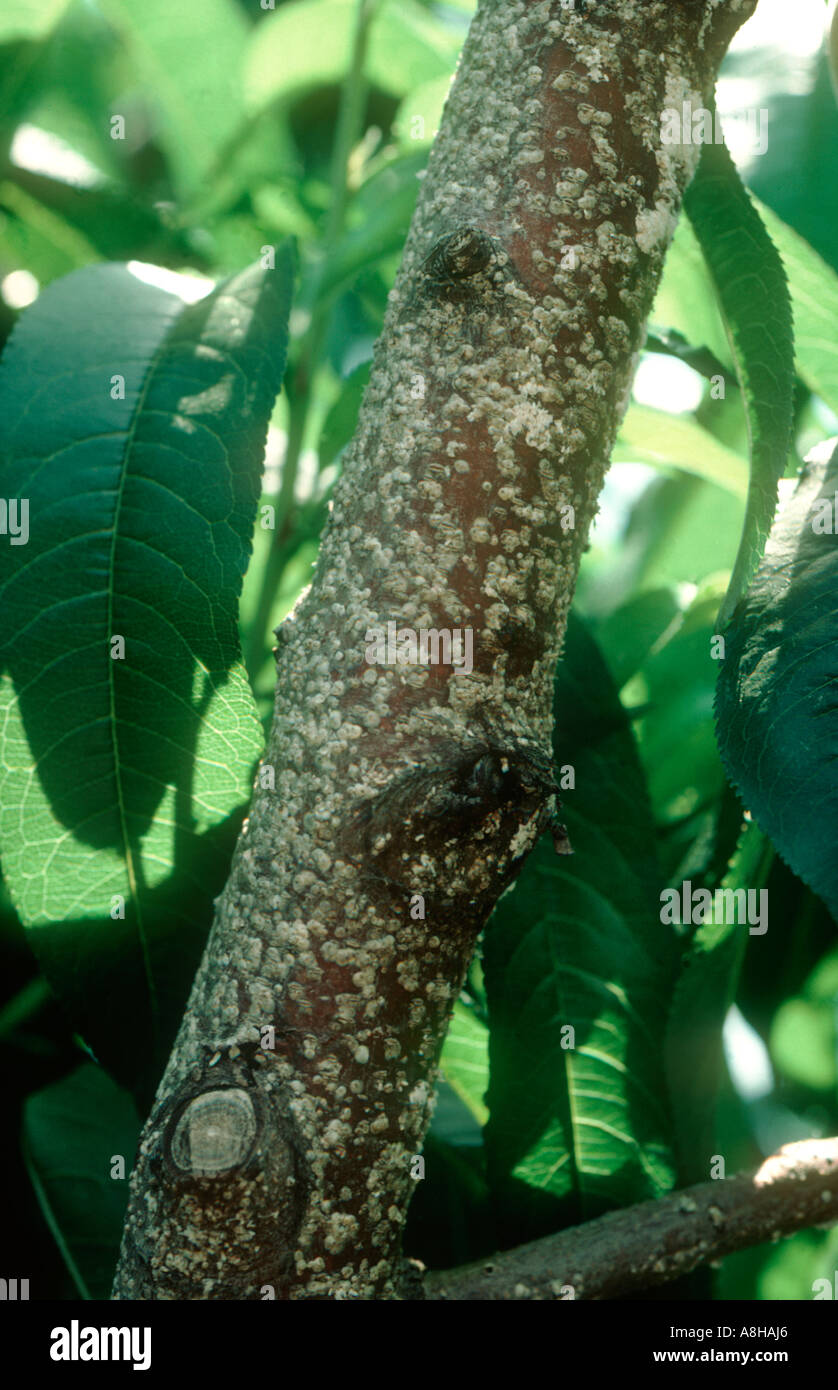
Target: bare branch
x,y
655,1242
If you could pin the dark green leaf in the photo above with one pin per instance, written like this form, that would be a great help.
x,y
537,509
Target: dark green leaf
x,y
578,941
448,1220
629,633
675,688
813,286
702,997
73,1134
776,706
753,295
339,425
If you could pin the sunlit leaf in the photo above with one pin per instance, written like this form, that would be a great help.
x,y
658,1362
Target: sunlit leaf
x,y
679,441
804,1034
128,731
30,19
197,101
417,119
465,1060
308,43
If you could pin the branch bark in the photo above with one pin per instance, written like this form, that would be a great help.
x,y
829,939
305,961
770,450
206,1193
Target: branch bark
x,y
655,1242
406,797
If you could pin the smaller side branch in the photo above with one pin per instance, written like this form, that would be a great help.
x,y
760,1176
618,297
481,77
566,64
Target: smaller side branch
x,y
655,1242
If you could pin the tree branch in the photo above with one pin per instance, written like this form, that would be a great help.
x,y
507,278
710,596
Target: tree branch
x,y
658,1241
396,801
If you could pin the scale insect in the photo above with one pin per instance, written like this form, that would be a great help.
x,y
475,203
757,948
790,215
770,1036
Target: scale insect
x,y
465,271
465,792
458,258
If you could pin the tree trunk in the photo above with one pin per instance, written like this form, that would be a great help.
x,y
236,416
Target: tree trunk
x,y
277,1157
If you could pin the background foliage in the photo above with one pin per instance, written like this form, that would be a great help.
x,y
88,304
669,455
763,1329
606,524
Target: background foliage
x,y
307,127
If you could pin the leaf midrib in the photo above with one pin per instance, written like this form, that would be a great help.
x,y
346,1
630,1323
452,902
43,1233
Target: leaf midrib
x,y
130,437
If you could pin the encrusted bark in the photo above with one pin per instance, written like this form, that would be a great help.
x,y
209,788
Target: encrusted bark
x,y
498,385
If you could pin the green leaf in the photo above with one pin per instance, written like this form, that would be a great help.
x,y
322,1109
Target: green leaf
x,y
686,299
804,1034
702,997
115,770
628,634
198,102
72,1132
30,19
675,687
37,239
425,103
465,1060
66,93
752,291
381,213
339,425
578,941
776,712
679,441
791,1268
307,43
813,286
448,1222
454,1122
681,530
